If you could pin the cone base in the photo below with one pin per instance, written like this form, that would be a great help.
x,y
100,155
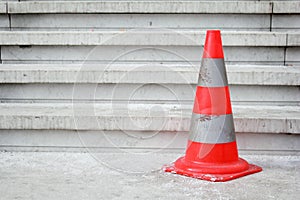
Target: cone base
x,y
201,172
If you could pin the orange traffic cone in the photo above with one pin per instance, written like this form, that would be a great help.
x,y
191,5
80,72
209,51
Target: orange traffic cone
x,y
211,152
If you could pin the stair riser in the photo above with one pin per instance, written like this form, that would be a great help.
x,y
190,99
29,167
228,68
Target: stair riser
x,y
140,7
179,121
242,22
144,73
89,54
48,140
105,21
4,22
285,22
144,37
292,56
169,93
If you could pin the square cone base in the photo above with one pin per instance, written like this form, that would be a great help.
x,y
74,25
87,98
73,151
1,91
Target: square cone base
x,y
212,177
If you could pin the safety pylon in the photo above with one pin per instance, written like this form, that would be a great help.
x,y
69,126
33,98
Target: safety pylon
x,y
211,152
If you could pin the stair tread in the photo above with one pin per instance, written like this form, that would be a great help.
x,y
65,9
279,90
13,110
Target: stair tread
x,y
265,111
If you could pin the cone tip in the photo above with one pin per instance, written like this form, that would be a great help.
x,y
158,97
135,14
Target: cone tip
x,y
213,32
213,45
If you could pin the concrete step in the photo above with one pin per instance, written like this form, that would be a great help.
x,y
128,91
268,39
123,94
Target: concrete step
x,y
139,7
146,37
265,98
235,15
132,141
89,127
140,117
151,82
144,45
240,22
158,73
152,7
143,93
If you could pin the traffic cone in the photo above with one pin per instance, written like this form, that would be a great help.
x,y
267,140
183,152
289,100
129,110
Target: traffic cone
x,y
211,152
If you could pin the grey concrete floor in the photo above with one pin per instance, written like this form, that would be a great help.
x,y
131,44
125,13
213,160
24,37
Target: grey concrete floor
x,y
130,175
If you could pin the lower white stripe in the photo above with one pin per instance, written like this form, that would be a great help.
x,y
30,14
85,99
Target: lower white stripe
x,y
212,129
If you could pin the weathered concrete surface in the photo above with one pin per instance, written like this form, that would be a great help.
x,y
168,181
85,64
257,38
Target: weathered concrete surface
x,y
286,7
128,176
147,73
96,141
91,54
292,56
254,7
122,21
3,8
146,117
142,93
294,39
139,37
285,22
4,22
141,7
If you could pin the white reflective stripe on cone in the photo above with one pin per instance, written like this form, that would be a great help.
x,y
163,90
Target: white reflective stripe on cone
x,y
212,73
213,129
